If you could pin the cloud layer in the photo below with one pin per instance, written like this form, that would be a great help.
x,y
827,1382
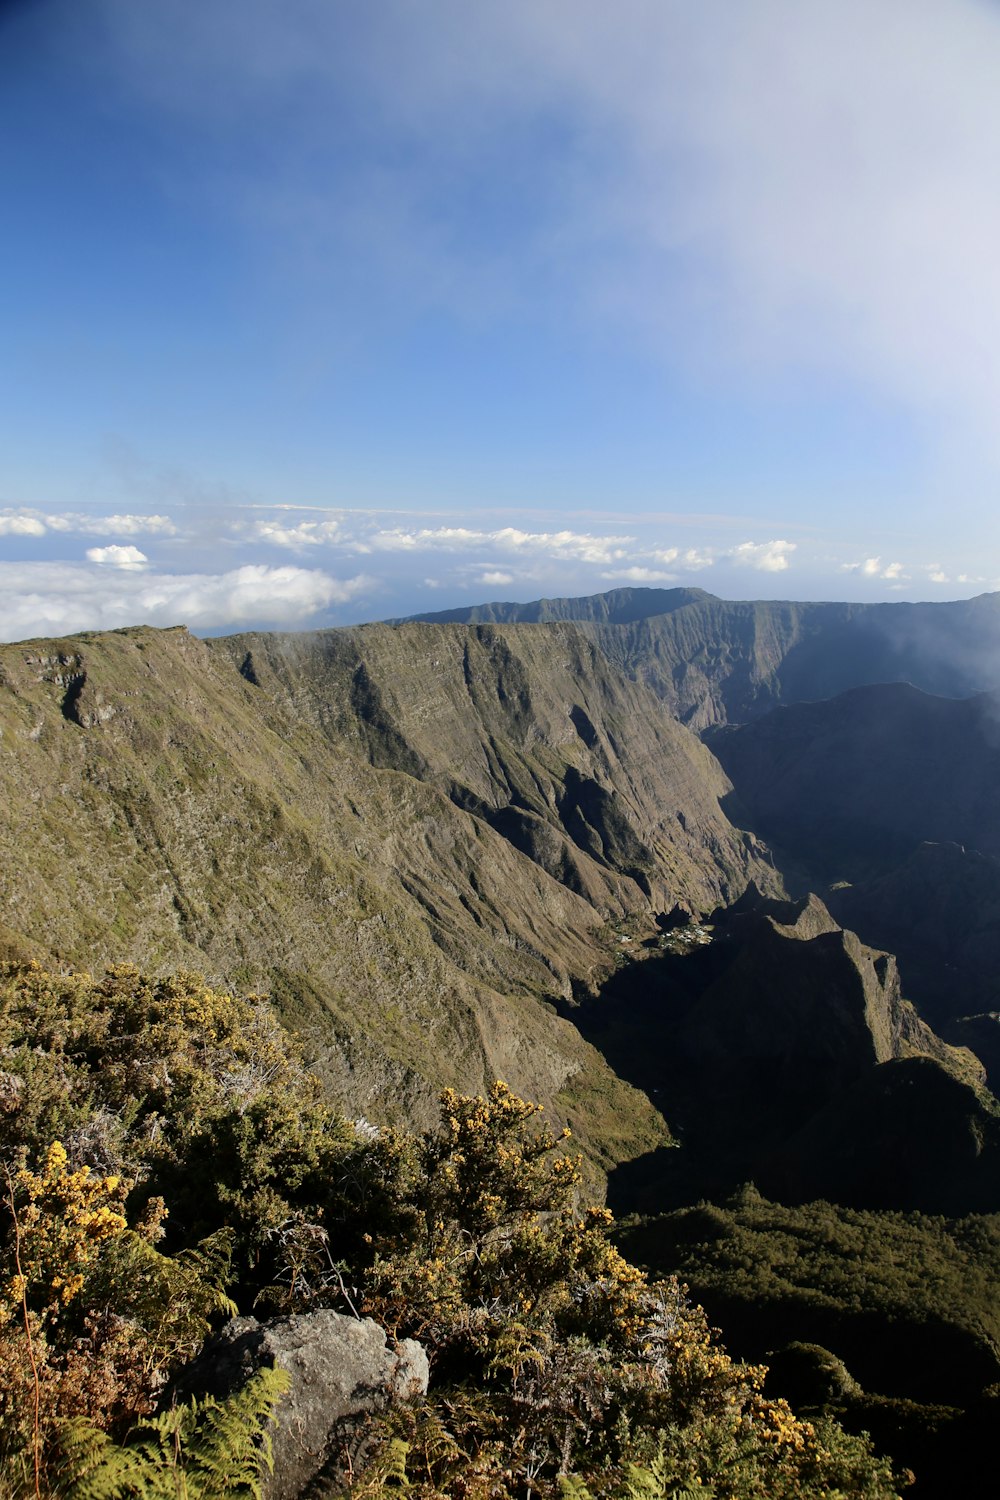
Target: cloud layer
x,y
777,185
223,570
62,598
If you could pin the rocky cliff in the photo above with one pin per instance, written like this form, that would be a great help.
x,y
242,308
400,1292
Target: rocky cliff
x,y
415,840
717,661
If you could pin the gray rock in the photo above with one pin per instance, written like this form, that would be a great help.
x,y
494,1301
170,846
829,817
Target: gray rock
x,y
341,1370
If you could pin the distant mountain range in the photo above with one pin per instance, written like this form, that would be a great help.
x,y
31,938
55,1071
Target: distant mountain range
x,y
716,661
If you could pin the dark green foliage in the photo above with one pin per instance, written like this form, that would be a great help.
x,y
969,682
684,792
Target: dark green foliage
x,y
910,1302
195,1096
886,1321
551,1354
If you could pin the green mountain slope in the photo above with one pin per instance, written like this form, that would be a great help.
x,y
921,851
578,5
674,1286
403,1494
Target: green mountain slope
x,y
414,840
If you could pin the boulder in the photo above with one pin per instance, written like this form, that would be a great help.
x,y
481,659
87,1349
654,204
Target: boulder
x,y
341,1371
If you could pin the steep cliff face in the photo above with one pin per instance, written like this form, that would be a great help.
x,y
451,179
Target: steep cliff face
x,y
939,911
529,730
615,607
808,1003
794,1013
414,840
716,661
778,1018
855,783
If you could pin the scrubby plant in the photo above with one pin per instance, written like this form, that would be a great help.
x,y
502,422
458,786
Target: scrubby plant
x,y
93,1318
554,1361
190,1095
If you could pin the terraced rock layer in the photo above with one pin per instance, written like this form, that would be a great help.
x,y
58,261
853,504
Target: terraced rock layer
x,y
416,839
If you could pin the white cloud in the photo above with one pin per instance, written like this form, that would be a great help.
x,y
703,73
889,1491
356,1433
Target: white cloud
x,y
795,185
495,579
872,567
296,538
556,546
767,557
26,522
60,598
128,558
696,558
937,576
577,546
128,525
21,523
641,575
424,539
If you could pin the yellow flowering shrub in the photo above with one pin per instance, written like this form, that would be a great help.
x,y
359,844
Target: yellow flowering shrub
x,y
555,1362
65,1219
191,1095
92,1316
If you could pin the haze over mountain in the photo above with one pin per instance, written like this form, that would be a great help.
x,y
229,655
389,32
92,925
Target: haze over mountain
x,y
716,660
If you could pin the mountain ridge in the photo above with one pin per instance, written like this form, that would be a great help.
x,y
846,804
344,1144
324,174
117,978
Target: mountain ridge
x,y
415,879
719,661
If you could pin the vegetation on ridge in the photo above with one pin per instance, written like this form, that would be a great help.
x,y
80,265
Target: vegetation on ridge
x,y
167,1160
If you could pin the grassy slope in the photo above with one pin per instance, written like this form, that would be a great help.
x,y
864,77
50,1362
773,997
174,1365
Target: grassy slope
x,y
162,809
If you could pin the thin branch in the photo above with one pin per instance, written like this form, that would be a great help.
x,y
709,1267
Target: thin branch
x,y
36,1429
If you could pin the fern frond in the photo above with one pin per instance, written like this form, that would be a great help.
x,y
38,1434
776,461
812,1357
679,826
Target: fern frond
x,y
392,1464
211,1262
94,1467
201,1450
233,1444
652,1482
572,1487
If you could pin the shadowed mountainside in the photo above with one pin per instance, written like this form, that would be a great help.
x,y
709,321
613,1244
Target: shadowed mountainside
x,y
786,1054
894,791
940,908
717,661
860,780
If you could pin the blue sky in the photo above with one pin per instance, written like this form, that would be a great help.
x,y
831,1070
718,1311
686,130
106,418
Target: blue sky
x,y
333,310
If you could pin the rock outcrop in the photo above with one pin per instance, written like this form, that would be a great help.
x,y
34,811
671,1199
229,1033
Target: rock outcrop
x,y
341,1372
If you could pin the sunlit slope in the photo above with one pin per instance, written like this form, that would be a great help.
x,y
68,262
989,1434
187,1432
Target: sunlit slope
x,y
412,882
